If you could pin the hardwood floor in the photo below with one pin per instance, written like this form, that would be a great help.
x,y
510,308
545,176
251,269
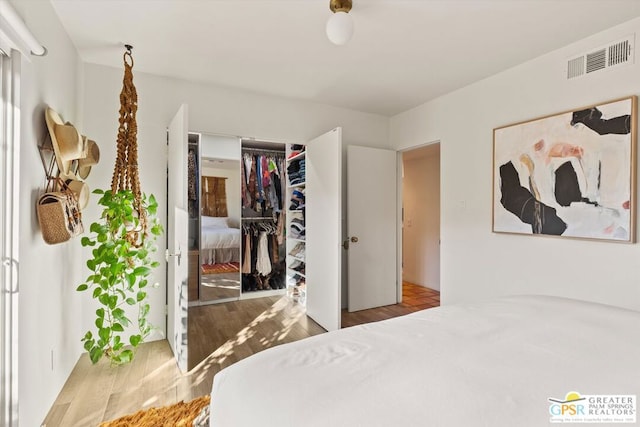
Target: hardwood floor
x,y
414,298
93,394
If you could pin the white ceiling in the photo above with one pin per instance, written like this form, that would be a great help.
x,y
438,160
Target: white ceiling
x,y
403,52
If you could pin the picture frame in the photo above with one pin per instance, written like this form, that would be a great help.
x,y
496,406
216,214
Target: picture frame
x,y
570,174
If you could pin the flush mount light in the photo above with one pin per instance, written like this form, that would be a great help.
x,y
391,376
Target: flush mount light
x,y
340,24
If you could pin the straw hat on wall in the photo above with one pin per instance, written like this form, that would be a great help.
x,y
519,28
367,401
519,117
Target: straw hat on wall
x,y
92,158
66,140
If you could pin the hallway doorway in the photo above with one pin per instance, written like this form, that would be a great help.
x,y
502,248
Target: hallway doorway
x,y
421,216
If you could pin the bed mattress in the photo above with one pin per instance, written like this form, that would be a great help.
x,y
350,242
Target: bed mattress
x,y
494,363
216,238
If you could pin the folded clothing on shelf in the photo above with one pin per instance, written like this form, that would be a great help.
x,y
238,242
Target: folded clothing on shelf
x,y
297,199
296,171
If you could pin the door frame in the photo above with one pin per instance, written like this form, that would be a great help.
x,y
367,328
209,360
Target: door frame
x,y
400,205
9,250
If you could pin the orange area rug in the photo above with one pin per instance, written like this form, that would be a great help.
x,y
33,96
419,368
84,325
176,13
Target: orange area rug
x,y
225,267
179,415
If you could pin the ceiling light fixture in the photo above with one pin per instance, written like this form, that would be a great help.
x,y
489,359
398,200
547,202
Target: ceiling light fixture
x,y
340,24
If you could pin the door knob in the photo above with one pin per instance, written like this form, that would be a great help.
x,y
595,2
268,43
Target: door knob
x,y
345,244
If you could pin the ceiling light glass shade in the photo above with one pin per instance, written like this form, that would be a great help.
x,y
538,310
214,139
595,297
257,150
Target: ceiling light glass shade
x,y
340,28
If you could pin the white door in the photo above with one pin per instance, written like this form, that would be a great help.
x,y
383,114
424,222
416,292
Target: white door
x,y
177,234
372,221
323,218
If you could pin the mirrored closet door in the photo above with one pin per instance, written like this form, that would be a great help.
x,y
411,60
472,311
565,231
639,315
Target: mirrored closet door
x,y
214,212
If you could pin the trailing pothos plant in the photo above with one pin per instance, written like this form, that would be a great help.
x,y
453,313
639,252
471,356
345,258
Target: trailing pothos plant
x,y
120,267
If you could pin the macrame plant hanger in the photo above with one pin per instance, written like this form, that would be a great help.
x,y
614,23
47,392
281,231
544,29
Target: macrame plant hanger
x,y
125,173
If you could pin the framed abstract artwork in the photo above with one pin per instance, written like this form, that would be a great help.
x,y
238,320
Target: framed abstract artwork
x,y
571,174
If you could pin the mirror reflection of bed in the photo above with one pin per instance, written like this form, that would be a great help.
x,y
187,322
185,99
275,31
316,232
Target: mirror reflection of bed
x,y
219,230
219,257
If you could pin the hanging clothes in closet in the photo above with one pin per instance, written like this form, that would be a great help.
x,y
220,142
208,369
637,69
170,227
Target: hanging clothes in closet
x,y
192,183
262,268
262,176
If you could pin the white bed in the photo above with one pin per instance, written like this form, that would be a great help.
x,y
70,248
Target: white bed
x,y
478,364
218,242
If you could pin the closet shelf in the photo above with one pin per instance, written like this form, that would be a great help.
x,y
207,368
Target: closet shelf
x,y
297,258
294,272
297,156
295,239
300,184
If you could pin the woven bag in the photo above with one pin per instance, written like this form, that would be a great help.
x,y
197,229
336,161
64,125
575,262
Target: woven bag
x,y
59,215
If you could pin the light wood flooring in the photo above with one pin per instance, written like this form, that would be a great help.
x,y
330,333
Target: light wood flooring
x,y
93,394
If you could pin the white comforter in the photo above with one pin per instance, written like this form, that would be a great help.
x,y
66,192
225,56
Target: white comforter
x,y
477,364
218,237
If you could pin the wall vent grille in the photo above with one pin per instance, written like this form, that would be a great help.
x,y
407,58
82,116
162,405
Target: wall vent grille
x,y
614,54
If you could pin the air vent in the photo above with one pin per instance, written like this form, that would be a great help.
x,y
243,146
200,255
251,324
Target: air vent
x,y
575,67
614,54
596,60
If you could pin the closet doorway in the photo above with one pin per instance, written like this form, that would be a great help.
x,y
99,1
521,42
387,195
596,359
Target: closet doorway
x,y
421,216
240,202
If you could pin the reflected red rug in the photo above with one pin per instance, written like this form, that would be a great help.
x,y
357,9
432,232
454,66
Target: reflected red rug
x,y
225,267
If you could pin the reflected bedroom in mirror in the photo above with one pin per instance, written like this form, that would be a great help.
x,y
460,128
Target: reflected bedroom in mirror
x,y
214,211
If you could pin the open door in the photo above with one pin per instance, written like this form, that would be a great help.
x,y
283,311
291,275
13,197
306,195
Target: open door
x,y
177,237
372,222
324,229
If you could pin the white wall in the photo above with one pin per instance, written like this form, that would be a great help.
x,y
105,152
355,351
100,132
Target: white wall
x,y
212,110
421,198
477,263
219,147
50,308
232,189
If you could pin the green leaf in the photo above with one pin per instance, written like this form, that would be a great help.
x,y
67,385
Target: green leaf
x,y
97,292
156,230
154,264
98,191
126,356
95,228
104,299
85,241
91,265
82,287
88,345
141,271
95,354
117,327
99,322
131,301
104,334
100,312
135,340
141,295
118,346
113,301
143,283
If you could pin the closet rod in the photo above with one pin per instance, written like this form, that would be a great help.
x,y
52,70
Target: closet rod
x,y
258,218
262,150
